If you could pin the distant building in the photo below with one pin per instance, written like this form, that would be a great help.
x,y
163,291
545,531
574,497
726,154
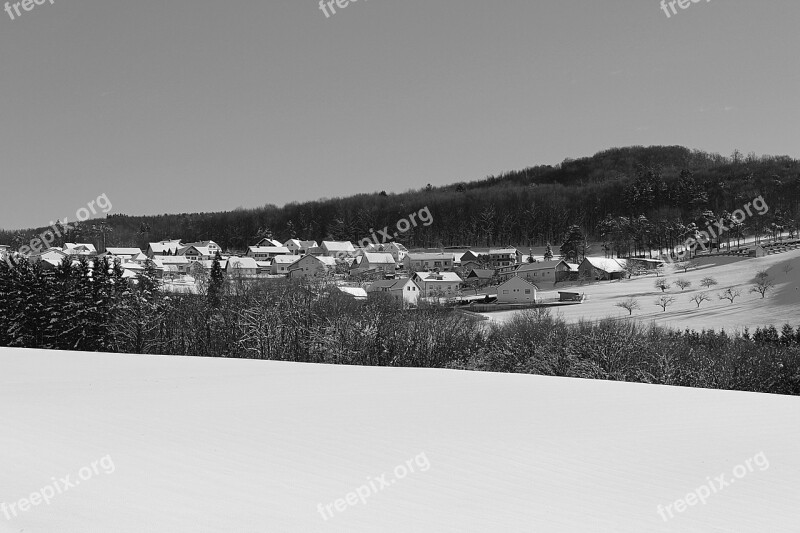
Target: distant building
x,y
403,289
480,277
86,249
354,292
601,268
338,248
544,271
166,247
500,258
428,261
383,262
242,266
268,243
516,290
265,253
281,263
435,283
310,266
123,253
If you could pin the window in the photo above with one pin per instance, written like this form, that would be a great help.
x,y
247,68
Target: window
x,y
527,291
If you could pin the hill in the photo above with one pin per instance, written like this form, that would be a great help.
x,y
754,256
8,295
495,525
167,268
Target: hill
x,y
671,187
208,445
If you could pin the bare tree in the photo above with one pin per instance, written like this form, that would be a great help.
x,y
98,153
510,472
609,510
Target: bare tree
x,y
683,283
787,268
629,304
700,298
762,284
664,301
685,264
662,283
729,294
708,282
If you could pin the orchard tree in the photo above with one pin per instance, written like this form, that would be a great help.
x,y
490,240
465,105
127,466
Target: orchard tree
x,y
629,304
729,294
663,284
683,283
664,301
700,298
763,283
708,282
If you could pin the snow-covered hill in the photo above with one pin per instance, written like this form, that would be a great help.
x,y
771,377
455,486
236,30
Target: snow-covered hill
x,y
172,445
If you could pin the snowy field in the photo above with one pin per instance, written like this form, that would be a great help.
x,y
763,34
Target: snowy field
x,y
160,444
781,305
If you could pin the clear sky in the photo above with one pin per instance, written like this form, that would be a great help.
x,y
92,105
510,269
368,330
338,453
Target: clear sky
x,y
198,105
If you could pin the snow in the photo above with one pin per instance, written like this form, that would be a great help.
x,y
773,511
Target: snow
x,y
781,305
210,445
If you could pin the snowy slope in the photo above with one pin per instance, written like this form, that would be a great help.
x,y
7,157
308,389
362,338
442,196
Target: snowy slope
x,y
213,445
781,305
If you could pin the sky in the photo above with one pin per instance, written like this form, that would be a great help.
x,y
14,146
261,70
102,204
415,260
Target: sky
x,y
199,105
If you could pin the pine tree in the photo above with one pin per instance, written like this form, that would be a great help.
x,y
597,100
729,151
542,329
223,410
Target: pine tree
x,y
216,283
548,253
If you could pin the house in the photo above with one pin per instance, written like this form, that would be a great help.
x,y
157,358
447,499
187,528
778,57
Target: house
x,y
71,248
175,264
645,264
338,248
383,262
544,271
500,258
298,247
354,292
402,289
437,283
398,251
245,267
197,253
212,247
469,255
264,253
122,253
268,243
280,264
480,277
516,290
166,247
54,256
600,268
425,262
310,266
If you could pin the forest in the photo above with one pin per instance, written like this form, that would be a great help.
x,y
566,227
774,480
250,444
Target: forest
x,y
627,199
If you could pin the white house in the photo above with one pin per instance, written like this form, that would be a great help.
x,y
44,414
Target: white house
x,y
434,283
281,264
123,253
268,242
311,266
399,289
166,247
516,290
338,248
599,268
383,262
264,253
242,266
71,248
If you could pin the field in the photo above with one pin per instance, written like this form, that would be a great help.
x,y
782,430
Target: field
x,y
781,305
210,445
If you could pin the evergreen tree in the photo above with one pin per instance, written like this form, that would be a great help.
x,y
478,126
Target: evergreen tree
x,y
216,283
548,253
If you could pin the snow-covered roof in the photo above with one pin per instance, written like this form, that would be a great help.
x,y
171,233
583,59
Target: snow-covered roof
x,y
357,292
275,250
284,259
338,246
430,257
376,258
607,264
242,262
438,276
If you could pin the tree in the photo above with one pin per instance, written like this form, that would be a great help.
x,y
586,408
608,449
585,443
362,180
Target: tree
x,y
662,283
763,283
629,304
685,264
548,253
729,294
683,283
700,298
216,283
664,301
574,244
708,282
787,268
